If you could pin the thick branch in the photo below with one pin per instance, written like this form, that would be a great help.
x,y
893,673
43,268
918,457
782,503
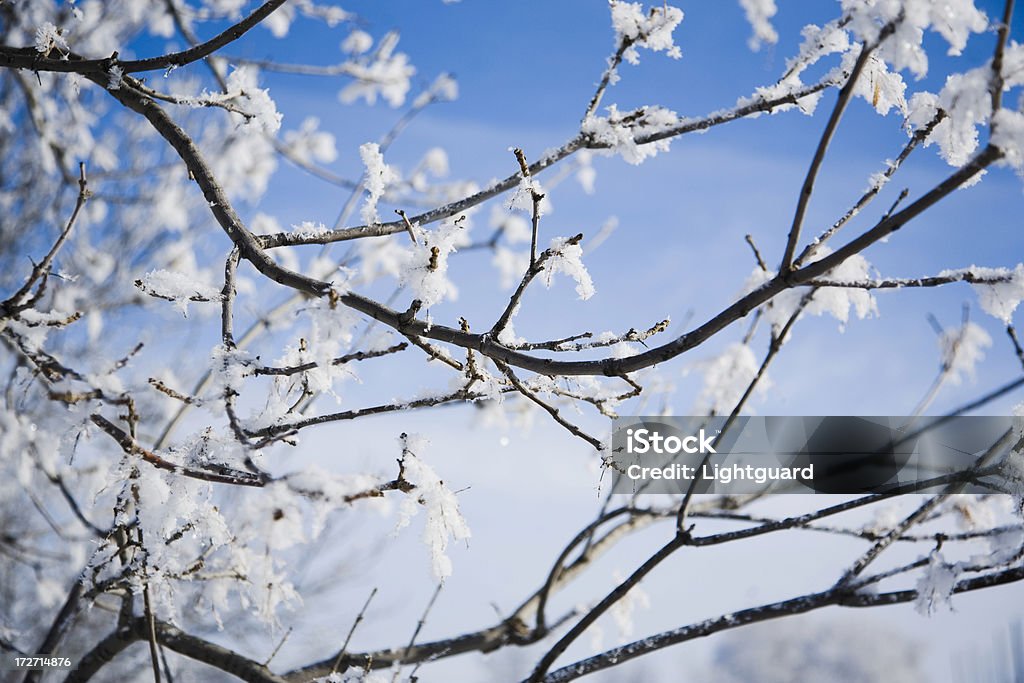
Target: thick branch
x,y
30,58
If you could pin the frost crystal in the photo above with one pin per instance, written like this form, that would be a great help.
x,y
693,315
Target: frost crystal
x,y
377,178
568,259
884,89
1000,299
243,83
48,37
652,29
114,77
620,131
935,587
954,20
967,104
177,287
425,267
444,520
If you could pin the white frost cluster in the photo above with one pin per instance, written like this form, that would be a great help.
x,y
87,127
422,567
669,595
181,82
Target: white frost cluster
x,y
954,20
966,101
48,37
651,29
1000,299
310,144
444,520
726,378
935,587
376,179
243,84
522,197
883,88
114,77
568,259
228,368
835,301
620,131
1008,136
357,42
424,269
759,14
178,288
385,74
962,349
817,42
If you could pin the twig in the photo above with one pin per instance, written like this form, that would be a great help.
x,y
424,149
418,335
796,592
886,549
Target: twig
x,y
29,58
351,631
341,360
131,446
419,627
916,139
13,304
549,409
532,271
819,155
997,80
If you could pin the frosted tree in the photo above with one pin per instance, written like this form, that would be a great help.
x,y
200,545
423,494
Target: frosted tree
x,y
168,344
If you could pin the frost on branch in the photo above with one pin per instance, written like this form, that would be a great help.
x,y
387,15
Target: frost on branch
x,y
378,176
954,20
935,587
357,42
567,258
444,520
652,29
425,268
619,131
522,197
177,288
49,37
255,101
884,89
835,301
966,101
229,367
817,42
962,349
999,299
